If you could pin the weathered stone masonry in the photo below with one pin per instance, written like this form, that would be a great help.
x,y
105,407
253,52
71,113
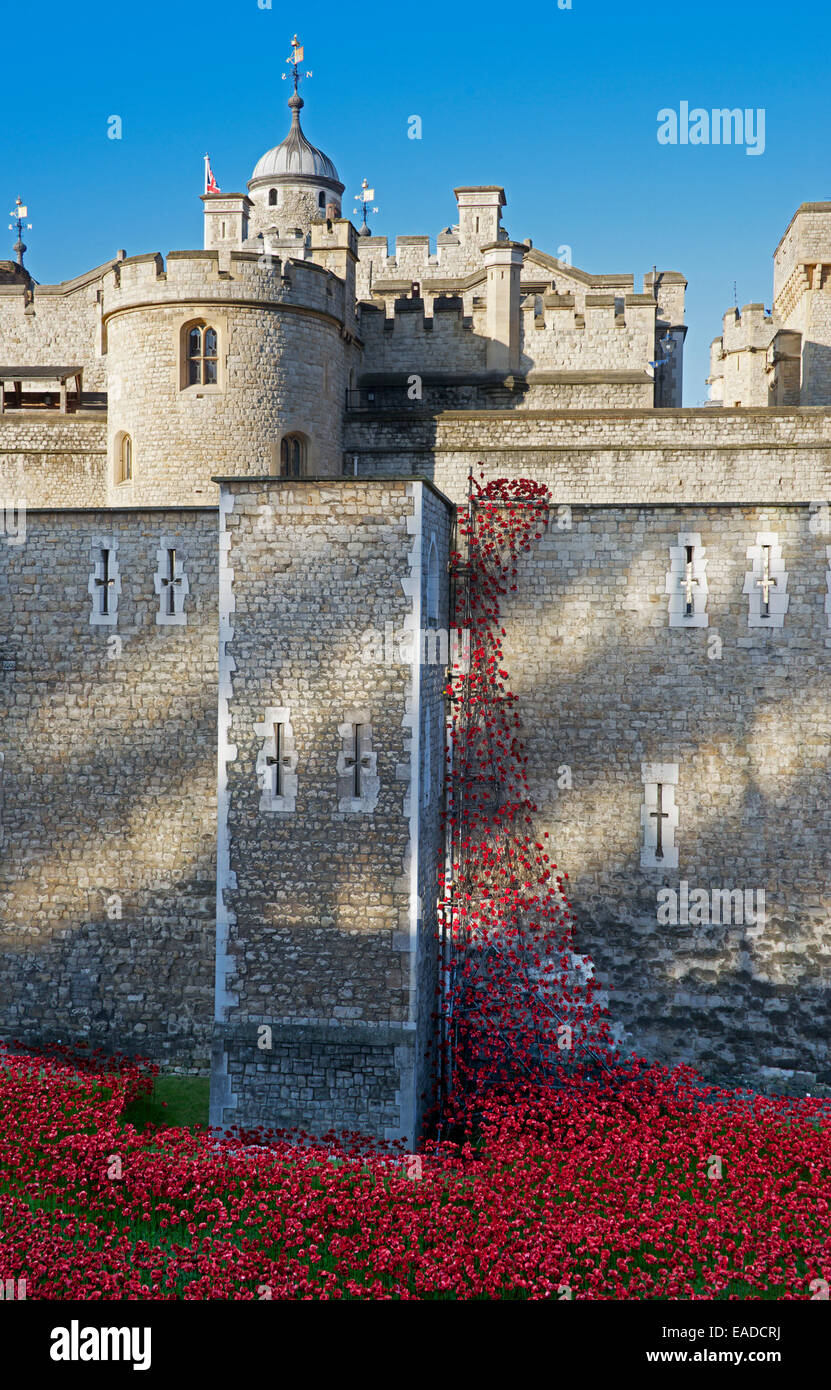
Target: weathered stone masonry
x,y
605,455
51,460
327,932
605,686
108,742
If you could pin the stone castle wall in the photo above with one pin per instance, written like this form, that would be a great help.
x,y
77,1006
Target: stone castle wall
x,y
321,937
59,327
296,208
599,456
53,460
407,341
108,795
321,915
324,924
452,338
474,393
605,685
618,334
816,345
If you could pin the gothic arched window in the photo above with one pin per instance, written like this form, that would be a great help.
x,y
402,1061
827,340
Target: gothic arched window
x,y
272,197
202,356
292,456
124,460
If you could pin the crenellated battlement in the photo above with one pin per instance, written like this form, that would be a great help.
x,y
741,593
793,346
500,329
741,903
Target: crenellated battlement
x,y
451,333
414,311
556,312
235,278
747,330
598,313
527,311
411,339
751,363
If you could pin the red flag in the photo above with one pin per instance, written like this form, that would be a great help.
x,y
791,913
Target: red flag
x,y
211,185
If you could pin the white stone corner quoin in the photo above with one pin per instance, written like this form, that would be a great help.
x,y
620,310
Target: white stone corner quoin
x,y
686,582
172,588
408,938
271,771
411,585
223,1099
659,850
105,579
766,581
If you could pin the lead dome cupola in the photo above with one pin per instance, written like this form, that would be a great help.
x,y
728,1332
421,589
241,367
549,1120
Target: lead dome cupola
x,y
296,160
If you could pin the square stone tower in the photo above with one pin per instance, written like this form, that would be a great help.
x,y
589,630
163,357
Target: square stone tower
x,y
333,653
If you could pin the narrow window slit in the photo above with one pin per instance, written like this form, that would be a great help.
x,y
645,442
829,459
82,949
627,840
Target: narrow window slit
x,y
104,584
276,762
659,815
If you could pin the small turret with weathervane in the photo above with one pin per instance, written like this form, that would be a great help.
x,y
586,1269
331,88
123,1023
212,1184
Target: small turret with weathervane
x,y
15,272
365,196
294,184
19,212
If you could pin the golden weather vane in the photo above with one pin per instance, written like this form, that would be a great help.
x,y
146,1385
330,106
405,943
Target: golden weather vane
x,y
294,58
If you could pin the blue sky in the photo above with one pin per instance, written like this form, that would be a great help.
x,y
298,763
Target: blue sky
x,y
557,105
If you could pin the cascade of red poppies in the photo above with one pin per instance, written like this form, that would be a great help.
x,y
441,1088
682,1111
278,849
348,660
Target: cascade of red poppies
x,y
519,1006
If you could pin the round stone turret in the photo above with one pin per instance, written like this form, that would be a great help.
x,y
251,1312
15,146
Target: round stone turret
x,y
294,184
225,363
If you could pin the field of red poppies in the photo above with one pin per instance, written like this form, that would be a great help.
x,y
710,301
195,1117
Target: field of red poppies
x,y
648,1187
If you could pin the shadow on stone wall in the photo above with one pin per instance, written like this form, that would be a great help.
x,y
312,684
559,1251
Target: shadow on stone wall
x,y
110,807
604,684
815,388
